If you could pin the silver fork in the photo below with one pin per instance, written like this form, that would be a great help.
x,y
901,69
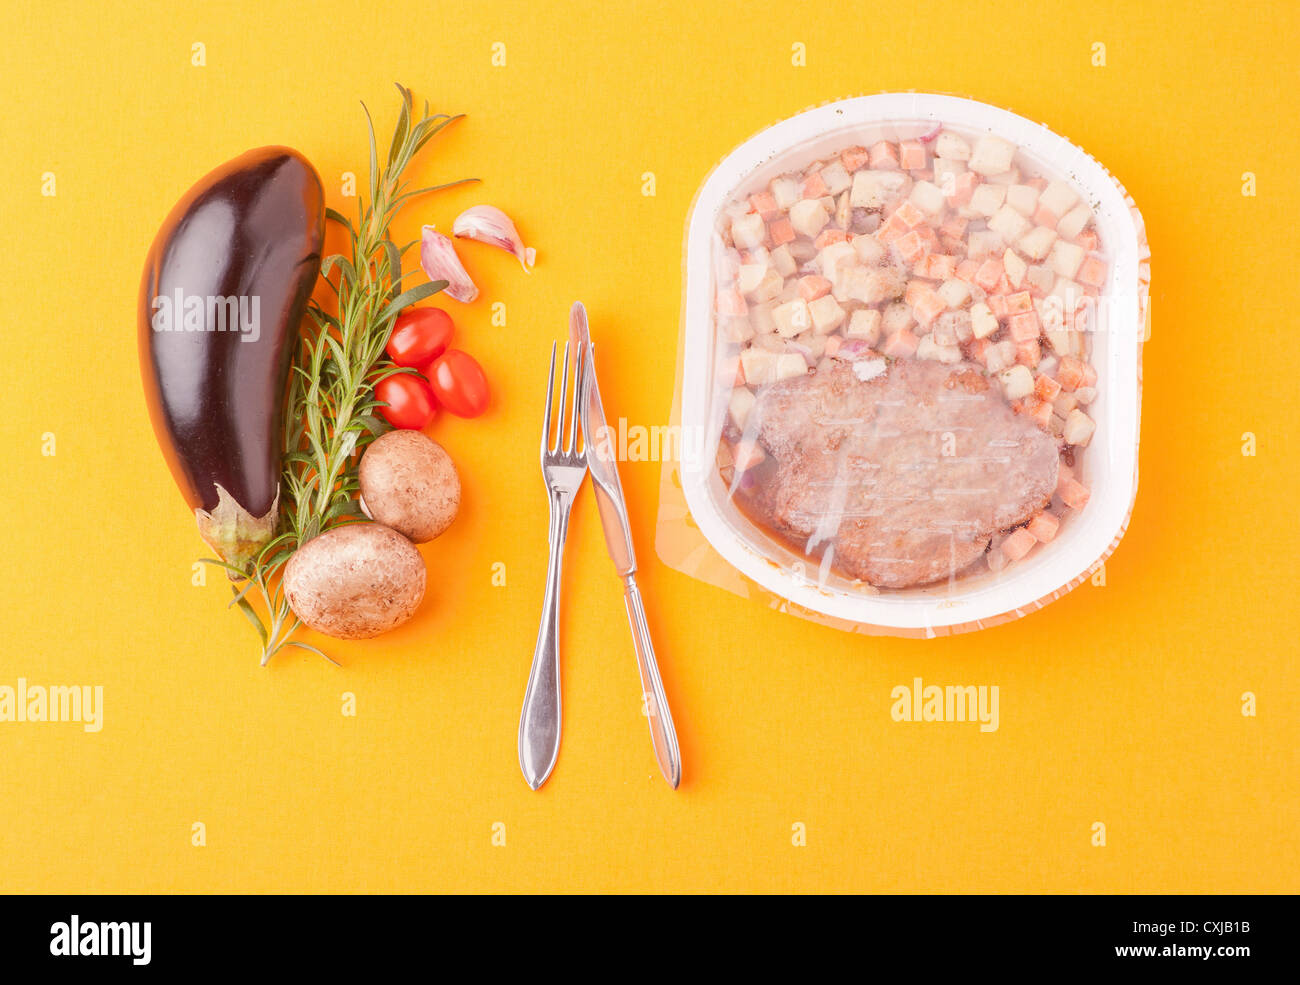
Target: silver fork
x,y
563,469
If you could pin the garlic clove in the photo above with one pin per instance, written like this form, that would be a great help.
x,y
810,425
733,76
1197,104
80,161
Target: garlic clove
x,y
438,259
492,226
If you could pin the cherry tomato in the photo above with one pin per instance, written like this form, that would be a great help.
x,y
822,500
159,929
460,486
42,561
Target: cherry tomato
x,y
420,335
411,404
459,383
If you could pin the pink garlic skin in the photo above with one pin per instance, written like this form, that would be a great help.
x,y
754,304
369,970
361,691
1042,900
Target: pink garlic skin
x,y
438,259
490,225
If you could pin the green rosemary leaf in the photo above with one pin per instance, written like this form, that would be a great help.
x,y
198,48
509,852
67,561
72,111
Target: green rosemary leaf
x,y
410,297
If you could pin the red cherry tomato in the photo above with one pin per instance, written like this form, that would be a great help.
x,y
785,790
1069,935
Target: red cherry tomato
x,y
459,383
411,404
420,335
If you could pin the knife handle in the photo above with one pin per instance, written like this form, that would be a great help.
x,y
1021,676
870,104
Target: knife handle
x,y
662,733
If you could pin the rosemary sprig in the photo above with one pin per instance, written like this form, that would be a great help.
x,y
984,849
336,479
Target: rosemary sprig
x,y
330,407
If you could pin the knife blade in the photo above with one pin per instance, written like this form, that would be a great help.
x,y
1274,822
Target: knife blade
x,y
602,454
602,466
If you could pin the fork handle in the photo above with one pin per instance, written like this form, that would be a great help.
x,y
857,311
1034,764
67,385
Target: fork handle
x,y
539,723
663,736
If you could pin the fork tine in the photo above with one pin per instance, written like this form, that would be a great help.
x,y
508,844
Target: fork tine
x,y
550,397
564,401
578,390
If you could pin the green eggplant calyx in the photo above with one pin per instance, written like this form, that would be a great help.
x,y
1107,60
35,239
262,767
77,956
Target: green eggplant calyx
x,y
235,534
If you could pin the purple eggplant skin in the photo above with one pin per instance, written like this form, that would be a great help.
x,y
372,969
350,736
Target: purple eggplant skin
x,y
246,243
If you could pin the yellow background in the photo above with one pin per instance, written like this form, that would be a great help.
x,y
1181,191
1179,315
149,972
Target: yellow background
x,y
1119,704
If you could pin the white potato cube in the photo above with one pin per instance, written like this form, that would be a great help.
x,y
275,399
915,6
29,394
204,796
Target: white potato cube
x,y
1065,258
833,257
951,146
808,217
896,317
750,275
1014,267
984,243
785,190
1011,177
928,348
954,292
792,318
748,231
1078,428
877,189
1023,198
1058,198
1074,221
869,249
1009,224
987,199
787,365
836,178
927,197
738,329
999,356
992,155
739,404
757,365
1017,382
983,322
782,262
827,315
864,324
1037,243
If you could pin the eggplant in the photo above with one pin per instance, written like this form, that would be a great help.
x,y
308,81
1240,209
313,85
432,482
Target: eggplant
x,y
225,288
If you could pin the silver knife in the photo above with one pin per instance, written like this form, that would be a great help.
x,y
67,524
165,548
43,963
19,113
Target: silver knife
x,y
601,463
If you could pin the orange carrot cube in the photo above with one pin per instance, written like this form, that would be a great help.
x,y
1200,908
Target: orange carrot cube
x,y
1043,216
1074,494
814,186
813,287
1024,327
854,158
731,302
1092,272
911,155
1028,353
883,156
781,232
891,229
828,236
901,344
910,214
963,188
911,247
1046,388
1070,374
989,274
1044,527
764,203
1018,544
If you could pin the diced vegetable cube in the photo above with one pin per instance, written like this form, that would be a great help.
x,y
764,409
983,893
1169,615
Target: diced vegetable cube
x,y
854,158
911,155
1044,527
748,231
864,323
1065,258
869,249
1046,388
1018,544
812,287
827,315
983,323
1073,493
730,302
1023,327
1037,242
901,344
992,155
782,262
928,347
1070,373
1059,197
791,318
739,404
747,454
909,212
808,217
883,156
1092,272
989,273
877,189
1023,198
1017,382
952,147
927,197
987,199
785,191
1028,353
836,178
1079,428
954,292
1009,224
781,232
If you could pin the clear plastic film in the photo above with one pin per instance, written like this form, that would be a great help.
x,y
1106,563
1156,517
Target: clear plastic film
x,y
909,374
